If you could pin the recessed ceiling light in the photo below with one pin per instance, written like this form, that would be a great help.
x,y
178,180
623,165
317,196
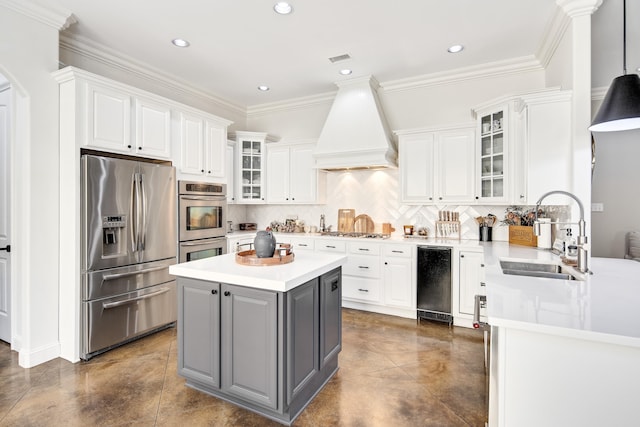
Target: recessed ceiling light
x,y
263,88
283,8
345,72
180,42
455,48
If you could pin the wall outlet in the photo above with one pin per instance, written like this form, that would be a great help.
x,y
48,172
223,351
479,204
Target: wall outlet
x,y
597,207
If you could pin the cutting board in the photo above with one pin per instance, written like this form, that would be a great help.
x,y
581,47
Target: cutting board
x,y
345,220
363,224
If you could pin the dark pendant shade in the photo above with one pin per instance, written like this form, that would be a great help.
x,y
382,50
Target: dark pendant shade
x,y
620,109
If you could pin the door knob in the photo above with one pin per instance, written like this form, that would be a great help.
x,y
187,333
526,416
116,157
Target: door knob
x,y
6,248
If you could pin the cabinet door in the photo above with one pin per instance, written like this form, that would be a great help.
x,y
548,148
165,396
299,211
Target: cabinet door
x,y
397,282
230,173
471,279
191,144
216,146
455,166
249,332
302,175
330,315
250,174
108,119
416,168
199,331
303,339
278,175
153,129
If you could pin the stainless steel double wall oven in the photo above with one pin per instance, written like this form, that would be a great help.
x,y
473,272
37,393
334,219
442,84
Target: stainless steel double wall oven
x,y
201,212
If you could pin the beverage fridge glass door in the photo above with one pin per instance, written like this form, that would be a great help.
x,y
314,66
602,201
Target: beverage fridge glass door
x,y
434,283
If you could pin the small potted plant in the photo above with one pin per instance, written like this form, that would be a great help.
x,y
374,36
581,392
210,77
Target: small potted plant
x,y
520,220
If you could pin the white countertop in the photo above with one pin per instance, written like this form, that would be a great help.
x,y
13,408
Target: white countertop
x,y
283,278
605,307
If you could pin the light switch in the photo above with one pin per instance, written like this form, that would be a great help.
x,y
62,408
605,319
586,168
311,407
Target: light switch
x,y
597,207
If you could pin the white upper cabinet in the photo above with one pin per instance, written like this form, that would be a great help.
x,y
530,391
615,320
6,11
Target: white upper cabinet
x,y
120,121
250,167
544,134
437,166
152,128
291,175
203,145
492,178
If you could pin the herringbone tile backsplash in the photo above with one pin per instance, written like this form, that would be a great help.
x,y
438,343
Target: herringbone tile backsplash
x,y
374,193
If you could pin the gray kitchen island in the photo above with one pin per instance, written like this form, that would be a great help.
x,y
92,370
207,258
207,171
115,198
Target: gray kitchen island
x,y
265,338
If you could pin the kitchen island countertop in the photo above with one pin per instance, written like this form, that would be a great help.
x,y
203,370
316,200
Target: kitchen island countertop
x,y
282,278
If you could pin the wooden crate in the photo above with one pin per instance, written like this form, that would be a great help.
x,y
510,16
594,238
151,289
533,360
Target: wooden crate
x,y
522,235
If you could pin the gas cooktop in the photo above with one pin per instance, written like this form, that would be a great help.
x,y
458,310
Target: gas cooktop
x,y
354,234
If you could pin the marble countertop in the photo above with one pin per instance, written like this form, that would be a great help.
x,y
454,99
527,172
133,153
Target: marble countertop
x,y
604,307
282,278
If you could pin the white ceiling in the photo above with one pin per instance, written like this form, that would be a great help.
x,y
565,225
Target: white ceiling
x,y
237,45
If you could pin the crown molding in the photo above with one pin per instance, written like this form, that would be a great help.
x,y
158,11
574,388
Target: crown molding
x,y
553,35
291,104
576,8
101,54
48,15
499,68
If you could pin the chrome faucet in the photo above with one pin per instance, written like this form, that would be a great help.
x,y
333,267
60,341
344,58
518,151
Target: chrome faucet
x,y
583,247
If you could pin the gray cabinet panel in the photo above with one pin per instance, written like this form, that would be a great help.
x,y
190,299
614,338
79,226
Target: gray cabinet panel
x,y
330,314
249,333
302,337
199,331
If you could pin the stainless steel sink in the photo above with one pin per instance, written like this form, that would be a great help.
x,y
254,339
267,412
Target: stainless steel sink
x,y
534,269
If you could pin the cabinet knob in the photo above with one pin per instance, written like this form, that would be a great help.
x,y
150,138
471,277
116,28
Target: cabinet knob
x,y
202,170
481,265
128,146
522,196
139,148
477,197
214,291
461,256
430,198
482,284
440,198
386,263
208,171
227,293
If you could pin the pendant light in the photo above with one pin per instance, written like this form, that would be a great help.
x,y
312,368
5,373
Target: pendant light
x,y
620,109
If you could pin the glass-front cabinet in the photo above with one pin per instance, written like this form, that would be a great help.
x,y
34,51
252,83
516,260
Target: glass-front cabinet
x,y
492,158
250,171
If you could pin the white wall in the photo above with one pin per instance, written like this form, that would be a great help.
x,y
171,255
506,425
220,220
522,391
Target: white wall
x,y
28,54
615,185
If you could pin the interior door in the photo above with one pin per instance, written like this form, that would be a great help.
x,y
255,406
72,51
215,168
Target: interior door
x,y
5,221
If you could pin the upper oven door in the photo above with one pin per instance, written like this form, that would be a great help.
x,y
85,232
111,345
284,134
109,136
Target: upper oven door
x,y
201,217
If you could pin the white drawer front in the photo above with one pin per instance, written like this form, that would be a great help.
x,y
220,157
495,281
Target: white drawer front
x,y
400,251
362,266
302,244
331,245
360,288
364,248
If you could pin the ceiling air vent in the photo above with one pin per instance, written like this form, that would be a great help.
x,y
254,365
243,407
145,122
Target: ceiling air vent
x,y
342,57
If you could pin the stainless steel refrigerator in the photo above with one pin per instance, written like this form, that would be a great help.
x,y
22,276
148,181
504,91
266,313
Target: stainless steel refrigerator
x,y
129,240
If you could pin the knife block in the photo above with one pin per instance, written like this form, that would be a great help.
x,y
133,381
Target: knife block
x,y
448,229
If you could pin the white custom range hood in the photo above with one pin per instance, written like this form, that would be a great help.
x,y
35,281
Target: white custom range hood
x,y
356,134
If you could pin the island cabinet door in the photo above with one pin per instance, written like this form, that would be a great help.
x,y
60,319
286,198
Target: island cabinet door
x,y
330,315
302,337
249,332
199,331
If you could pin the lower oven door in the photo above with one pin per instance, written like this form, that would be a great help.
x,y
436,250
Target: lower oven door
x,y
115,320
197,249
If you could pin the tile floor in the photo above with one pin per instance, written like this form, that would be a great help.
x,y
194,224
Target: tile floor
x,y
393,372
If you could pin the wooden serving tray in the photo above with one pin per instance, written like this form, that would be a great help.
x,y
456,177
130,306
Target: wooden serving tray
x,y
250,258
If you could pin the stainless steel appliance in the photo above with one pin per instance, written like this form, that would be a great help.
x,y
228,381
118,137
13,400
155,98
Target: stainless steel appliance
x,y
128,243
434,283
202,212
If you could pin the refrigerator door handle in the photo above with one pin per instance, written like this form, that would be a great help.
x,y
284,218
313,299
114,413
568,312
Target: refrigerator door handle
x,y
143,200
107,305
132,273
133,213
